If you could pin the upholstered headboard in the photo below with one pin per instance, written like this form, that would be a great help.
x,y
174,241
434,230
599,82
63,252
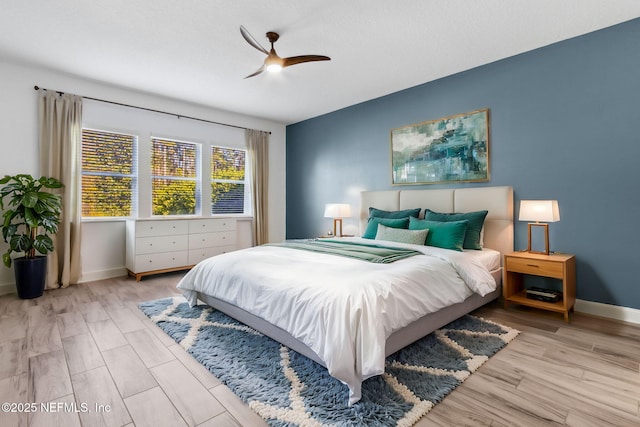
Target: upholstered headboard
x,y
498,226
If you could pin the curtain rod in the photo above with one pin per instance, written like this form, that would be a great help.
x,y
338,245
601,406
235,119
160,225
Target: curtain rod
x,y
180,116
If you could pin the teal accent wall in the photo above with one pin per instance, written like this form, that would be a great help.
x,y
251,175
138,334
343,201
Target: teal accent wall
x,y
564,124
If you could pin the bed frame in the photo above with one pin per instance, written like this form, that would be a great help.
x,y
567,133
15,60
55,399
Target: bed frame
x,y
498,235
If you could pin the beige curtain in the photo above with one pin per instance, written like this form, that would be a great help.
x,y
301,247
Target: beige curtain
x,y
258,147
60,136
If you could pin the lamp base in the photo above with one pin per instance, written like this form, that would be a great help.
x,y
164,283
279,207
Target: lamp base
x,y
546,238
335,224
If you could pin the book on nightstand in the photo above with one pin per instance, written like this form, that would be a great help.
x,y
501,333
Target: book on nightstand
x,y
546,295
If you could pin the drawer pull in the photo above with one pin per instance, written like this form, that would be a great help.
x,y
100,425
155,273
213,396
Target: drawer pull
x,y
533,265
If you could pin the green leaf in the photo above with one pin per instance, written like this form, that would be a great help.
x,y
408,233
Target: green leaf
x,y
31,218
43,244
20,243
6,258
9,231
29,199
50,182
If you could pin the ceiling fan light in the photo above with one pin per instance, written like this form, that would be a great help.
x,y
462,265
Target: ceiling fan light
x,y
274,68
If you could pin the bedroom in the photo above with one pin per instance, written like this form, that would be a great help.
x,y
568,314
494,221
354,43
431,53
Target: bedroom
x,y
553,111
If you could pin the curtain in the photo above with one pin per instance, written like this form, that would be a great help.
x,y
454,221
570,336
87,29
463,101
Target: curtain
x,y
60,138
258,149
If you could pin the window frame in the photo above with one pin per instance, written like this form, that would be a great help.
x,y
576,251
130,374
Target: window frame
x,y
246,208
198,176
135,175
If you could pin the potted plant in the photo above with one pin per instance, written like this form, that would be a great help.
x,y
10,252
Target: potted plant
x,y
32,215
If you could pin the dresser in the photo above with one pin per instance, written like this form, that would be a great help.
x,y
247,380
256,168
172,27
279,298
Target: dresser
x,y
162,245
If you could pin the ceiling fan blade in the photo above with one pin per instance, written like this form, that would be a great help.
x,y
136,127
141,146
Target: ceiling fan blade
x,y
258,71
249,38
293,60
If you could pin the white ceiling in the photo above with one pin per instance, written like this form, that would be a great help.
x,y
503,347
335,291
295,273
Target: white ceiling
x,y
192,49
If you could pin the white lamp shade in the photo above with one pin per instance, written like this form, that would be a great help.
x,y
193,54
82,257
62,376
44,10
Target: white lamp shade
x,y
337,210
539,210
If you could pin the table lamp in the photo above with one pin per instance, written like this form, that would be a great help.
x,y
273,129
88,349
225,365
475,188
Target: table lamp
x,y
337,211
540,211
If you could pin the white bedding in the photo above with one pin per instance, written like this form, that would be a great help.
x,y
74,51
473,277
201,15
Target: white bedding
x,y
343,309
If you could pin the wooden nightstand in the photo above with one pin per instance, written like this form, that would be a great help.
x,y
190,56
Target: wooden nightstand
x,y
557,266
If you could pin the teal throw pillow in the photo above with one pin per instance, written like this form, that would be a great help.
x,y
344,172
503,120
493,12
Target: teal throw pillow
x,y
400,235
372,226
474,227
379,213
446,235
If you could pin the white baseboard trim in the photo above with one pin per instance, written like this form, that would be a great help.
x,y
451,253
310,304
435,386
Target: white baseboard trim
x,y
10,288
103,274
626,314
7,288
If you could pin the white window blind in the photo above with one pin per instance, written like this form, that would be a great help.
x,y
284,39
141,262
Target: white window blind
x,y
109,174
175,177
228,181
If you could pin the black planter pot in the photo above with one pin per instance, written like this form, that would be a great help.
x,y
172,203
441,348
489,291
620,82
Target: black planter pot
x,y
31,276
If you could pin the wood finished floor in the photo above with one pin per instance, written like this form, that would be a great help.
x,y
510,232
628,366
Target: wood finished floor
x,y
89,344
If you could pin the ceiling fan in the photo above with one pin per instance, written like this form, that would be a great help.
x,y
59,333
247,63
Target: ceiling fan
x,y
273,62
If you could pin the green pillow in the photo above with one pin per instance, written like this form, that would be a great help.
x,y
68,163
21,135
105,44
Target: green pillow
x,y
446,235
379,213
474,228
414,237
372,226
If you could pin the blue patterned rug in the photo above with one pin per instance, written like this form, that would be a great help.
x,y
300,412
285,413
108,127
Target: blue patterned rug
x,y
288,389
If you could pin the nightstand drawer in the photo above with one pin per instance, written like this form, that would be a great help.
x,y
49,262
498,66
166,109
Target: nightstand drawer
x,y
535,267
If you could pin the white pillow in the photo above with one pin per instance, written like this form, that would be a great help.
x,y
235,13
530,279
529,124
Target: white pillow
x,y
401,235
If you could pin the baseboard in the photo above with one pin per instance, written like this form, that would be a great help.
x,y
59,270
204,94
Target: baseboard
x,y
7,288
616,312
102,274
10,288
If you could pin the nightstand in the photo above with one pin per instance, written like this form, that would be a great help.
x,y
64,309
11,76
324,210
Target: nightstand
x,y
557,266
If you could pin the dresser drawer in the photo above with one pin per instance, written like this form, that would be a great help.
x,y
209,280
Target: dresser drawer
x,y
152,245
161,228
206,240
210,225
197,255
161,261
535,267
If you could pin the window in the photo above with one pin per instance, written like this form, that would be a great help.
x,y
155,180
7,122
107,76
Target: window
x,y
109,174
175,172
227,181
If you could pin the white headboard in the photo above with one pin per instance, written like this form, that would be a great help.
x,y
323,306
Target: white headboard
x,y
498,226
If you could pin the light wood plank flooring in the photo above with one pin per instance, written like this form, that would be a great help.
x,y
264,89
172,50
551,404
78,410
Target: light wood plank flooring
x,y
89,344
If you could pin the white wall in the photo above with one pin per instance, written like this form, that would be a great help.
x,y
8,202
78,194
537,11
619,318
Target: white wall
x,y
103,242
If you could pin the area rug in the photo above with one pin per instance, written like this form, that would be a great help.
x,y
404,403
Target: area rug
x,y
288,389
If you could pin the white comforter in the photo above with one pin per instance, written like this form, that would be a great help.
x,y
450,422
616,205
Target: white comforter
x,y
343,309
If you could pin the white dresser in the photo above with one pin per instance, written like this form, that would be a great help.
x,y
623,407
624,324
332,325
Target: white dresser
x,y
162,245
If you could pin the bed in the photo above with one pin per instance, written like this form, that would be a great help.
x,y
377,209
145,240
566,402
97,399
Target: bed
x,y
336,327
